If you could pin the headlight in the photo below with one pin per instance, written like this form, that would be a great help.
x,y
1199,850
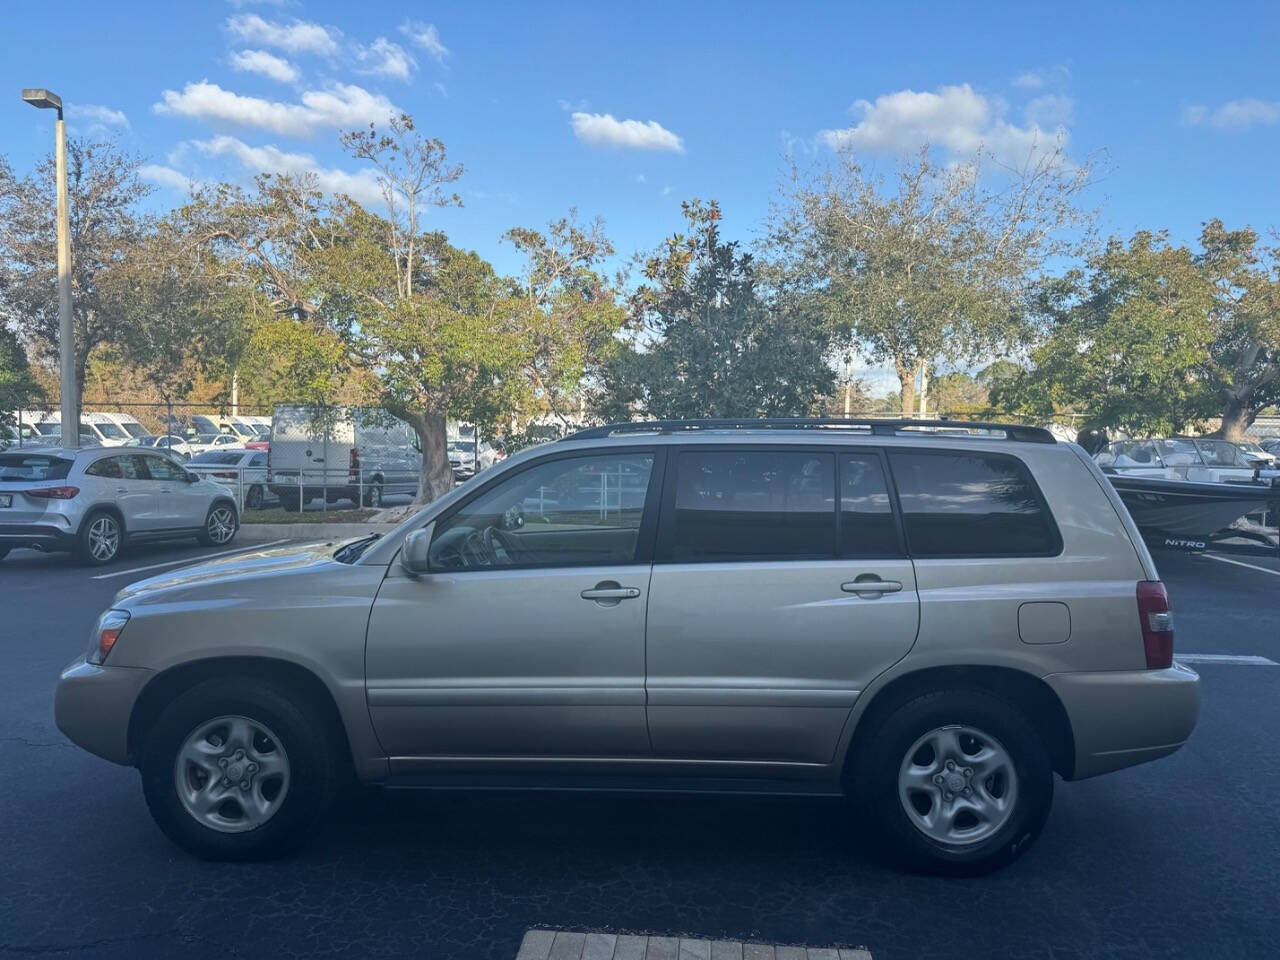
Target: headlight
x,y
105,634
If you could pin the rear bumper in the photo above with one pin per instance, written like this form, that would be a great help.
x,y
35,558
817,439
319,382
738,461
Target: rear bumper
x,y
1121,718
92,706
43,536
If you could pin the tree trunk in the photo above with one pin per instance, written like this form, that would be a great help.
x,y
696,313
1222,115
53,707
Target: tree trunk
x,y
906,370
1236,418
436,478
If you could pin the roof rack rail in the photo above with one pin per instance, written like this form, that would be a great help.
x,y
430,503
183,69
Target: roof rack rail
x,y
886,427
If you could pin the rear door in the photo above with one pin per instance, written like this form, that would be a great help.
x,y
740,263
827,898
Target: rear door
x,y
772,604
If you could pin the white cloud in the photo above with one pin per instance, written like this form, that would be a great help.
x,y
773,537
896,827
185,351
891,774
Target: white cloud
x,y
955,118
603,130
1235,114
1050,111
299,36
426,36
166,177
97,114
1029,80
341,106
385,59
265,64
442,90
362,185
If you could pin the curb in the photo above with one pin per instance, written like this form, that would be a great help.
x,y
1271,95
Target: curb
x,y
262,532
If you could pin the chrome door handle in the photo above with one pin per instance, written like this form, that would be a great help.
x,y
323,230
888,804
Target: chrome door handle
x,y
870,583
609,593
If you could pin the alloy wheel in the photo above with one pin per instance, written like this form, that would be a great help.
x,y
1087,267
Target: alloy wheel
x,y
958,785
222,524
232,774
104,538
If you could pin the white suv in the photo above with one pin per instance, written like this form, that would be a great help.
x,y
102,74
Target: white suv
x,y
934,622
94,502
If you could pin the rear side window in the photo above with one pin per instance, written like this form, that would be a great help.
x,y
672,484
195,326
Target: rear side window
x,y
752,505
971,505
26,466
867,527
107,467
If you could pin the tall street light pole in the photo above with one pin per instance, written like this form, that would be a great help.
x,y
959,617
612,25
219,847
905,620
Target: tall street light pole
x,y
48,100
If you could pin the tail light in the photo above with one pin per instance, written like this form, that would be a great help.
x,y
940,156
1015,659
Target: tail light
x,y
106,633
54,493
353,464
1157,624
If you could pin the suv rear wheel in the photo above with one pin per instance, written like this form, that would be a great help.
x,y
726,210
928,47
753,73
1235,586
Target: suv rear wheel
x,y
237,769
100,538
955,781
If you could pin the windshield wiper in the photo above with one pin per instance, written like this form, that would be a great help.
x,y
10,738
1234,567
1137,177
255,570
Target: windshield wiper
x,y
350,552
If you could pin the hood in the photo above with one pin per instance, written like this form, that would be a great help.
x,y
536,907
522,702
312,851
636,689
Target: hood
x,y
253,564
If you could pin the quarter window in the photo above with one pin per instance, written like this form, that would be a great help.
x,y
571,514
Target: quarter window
x,y
752,505
866,515
566,512
966,504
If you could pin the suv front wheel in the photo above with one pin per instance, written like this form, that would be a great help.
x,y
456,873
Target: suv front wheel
x,y
236,769
955,782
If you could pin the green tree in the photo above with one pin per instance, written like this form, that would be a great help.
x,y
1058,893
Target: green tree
x,y
1127,341
708,340
108,238
1244,360
18,388
938,265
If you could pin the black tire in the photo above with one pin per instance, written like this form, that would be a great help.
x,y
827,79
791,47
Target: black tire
x,y
304,737
882,750
84,551
254,498
206,535
373,496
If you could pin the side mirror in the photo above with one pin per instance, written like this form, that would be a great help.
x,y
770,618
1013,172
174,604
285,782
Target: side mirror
x,y
413,553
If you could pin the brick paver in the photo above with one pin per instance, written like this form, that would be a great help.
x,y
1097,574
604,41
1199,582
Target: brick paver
x,y
574,945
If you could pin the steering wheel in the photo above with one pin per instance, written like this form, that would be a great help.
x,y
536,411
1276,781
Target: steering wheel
x,y
494,538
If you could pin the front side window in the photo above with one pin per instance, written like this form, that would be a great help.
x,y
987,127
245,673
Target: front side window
x,y
866,515
566,512
752,505
162,468
971,505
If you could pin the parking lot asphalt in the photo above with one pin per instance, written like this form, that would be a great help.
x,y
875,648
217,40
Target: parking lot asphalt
x,y
1179,858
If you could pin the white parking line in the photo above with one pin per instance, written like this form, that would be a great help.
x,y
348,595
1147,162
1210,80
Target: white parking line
x,y
197,559
1240,563
1225,658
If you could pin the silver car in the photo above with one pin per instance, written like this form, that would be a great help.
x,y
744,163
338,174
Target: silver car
x,y
95,502
932,623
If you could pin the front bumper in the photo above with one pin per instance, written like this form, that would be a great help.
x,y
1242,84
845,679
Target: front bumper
x,y
92,706
1124,717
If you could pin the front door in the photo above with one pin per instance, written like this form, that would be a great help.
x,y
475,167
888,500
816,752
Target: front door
x,y
527,638
770,609
179,508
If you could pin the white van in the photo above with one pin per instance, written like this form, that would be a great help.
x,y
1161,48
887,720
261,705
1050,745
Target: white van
x,y
129,424
354,453
241,427
98,428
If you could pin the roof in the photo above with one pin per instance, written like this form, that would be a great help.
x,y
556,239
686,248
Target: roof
x,y
914,429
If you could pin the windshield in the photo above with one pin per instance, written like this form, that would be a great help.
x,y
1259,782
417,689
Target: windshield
x,y
49,429
111,431
262,430
134,429
26,466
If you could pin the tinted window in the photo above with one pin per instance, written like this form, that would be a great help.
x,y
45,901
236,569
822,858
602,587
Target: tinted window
x,y
161,468
133,467
111,431
866,516
259,460
967,504
28,466
107,467
750,505
224,457
583,510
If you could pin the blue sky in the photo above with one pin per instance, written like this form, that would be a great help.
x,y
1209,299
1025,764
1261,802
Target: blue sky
x,y
623,110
